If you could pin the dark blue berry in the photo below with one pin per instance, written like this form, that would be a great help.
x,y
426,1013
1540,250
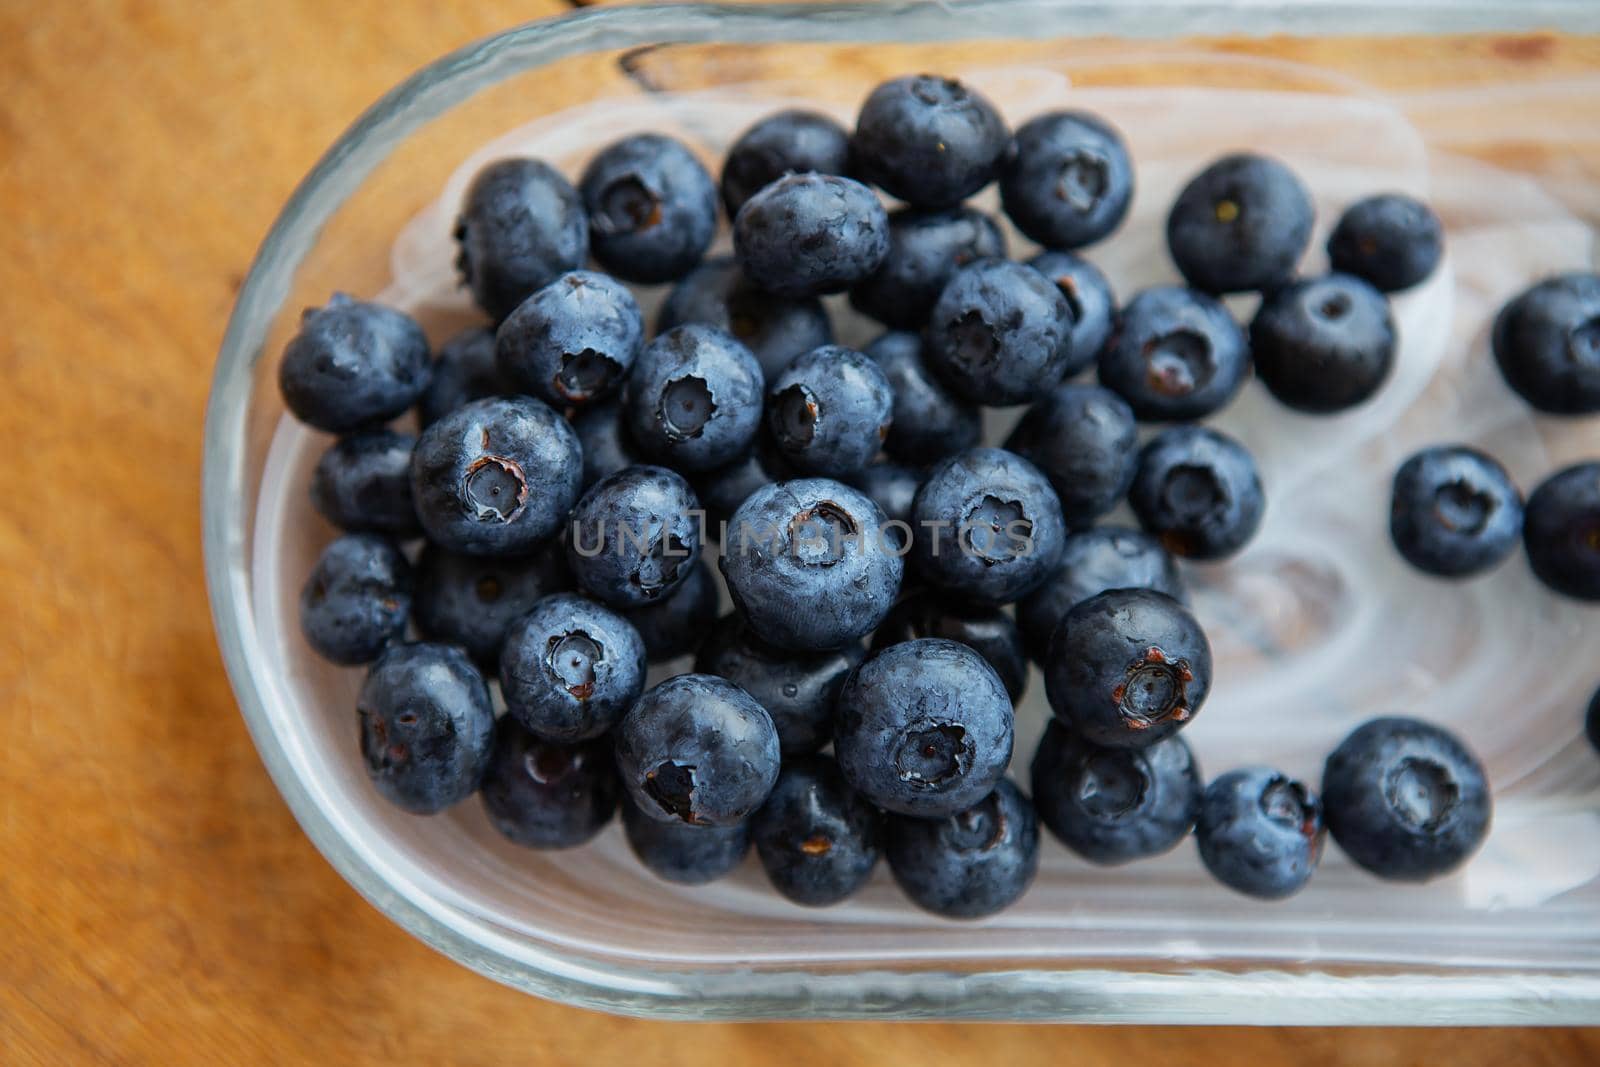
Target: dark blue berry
x,y
464,371
1114,805
807,564
496,477
1547,343
929,421
1324,344
602,431
798,689
987,526
924,728
1391,240
1176,354
1260,833
929,141
353,365
1067,181
789,142
547,795
697,749
1561,531
1092,561
571,668
1241,224
694,399
1406,799
776,328
988,631
472,601
682,852
676,624
573,341
521,224
817,838
1089,298
652,208
356,599
1127,668
810,234
363,483
969,864
1085,441
1454,512
635,536
1000,333
1198,491
829,411
926,248
427,727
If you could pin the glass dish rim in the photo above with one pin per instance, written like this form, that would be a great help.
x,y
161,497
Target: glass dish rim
x,y
1259,996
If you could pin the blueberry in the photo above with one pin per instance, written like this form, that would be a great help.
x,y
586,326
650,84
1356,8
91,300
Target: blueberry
x,y
893,488
789,142
1323,344
1092,561
496,477
1455,511
929,422
829,411
1406,799
676,624
694,400
697,749
548,795
776,328
1561,531
682,852
471,601
521,224
571,668
353,365
924,728
427,727
987,526
722,490
1241,224
1085,441
1176,354
1260,833
1113,805
809,234
573,341
808,565
464,371
363,483
652,208
635,536
818,839
999,333
602,431
1198,491
1127,668
1089,299
971,863
356,599
988,631
1067,181
1391,240
1547,343
929,141
798,689
926,248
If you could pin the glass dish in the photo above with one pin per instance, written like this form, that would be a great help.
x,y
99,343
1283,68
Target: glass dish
x,y
1317,625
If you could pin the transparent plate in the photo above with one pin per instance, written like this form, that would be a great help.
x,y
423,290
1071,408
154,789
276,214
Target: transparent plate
x,y
1317,626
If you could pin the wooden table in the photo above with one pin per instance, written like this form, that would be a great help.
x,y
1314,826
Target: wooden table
x,y
157,902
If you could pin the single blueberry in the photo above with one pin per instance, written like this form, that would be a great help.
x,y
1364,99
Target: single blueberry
x,y
924,728
1547,344
652,208
1391,240
571,668
1454,512
543,794
356,598
463,372
988,631
1128,668
427,726
810,234
686,853
353,365
676,624
969,864
1067,181
472,601
1084,439
829,411
1260,833
775,328
1000,333
1198,491
1090,299
573,341
928,421
694,399
1175,355
602,431
1324,344
817,838
926,248
1092,561
1561,531
794,141
363,483
521,224
929,141
1242,223
635,536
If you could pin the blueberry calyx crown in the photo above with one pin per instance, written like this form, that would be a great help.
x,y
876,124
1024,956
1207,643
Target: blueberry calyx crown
x,y
495,488
572,658
1155,690
933,754
1422,794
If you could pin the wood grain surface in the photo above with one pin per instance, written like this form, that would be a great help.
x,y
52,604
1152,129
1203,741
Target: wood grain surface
x,y
158,904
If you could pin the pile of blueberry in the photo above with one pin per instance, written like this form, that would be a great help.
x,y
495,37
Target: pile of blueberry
x,y
571,469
